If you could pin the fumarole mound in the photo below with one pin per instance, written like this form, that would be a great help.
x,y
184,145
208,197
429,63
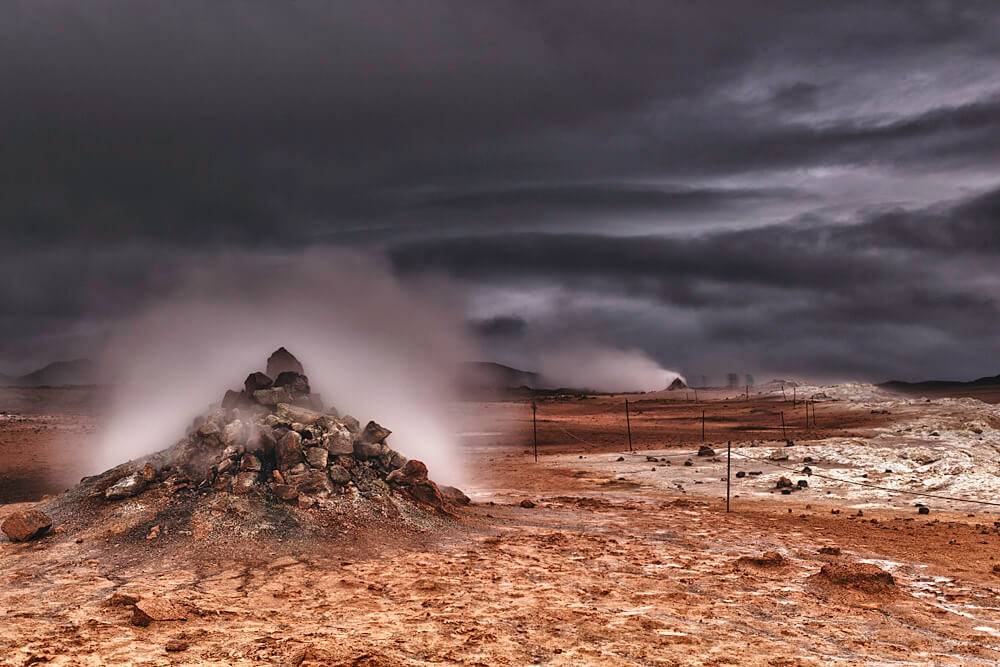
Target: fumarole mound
x,y
268,461
275,439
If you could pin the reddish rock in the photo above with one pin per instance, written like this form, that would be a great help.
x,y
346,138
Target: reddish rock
x,y
289,450
150,610
413,472
454,496
26,525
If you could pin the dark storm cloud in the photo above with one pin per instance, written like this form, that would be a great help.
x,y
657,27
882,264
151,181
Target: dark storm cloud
x,y
262,121
507,143
509,326
788,286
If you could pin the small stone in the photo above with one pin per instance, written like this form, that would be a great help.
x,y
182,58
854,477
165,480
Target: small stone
x,y
273,396
923,509
620,458
256,381
209,429
222,481
830,551
455,496
765,560
339,475
705,450
280,361
802,484
244,482
125,487
175,646
158,609
298,415
297,383
148,473
527,504
351,423
121,600
233,434
289,450
316,456
741,474
233,399
154,532
414,472
689,462
250,462
368,450
374,432
807,470
260,439
315,483
783,483
285,491
26,525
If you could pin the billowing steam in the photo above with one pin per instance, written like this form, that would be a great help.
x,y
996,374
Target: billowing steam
x,y
370,347
588,366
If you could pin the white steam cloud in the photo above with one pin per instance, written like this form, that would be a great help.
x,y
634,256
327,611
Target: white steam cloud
x,y
370,346
589,366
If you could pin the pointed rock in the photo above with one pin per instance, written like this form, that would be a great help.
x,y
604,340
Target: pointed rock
x,y
282,360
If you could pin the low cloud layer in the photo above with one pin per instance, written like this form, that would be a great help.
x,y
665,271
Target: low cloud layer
x,y
794,188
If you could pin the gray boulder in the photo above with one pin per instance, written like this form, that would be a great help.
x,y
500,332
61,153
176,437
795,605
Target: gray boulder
x,y
316,457
273,396
297,415
126,487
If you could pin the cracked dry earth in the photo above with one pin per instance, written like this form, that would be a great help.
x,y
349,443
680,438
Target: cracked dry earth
x,y
598,572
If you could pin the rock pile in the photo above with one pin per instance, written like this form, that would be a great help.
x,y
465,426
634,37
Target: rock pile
x,y
275,439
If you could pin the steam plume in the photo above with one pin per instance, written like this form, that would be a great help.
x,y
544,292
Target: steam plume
x,y
370,346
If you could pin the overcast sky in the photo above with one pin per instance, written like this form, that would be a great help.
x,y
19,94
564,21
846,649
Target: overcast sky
x,y
780,188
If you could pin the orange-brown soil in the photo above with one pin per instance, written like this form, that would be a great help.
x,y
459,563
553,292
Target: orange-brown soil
x,y
601,571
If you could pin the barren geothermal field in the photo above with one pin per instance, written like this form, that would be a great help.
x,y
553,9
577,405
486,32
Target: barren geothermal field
x,y
280,532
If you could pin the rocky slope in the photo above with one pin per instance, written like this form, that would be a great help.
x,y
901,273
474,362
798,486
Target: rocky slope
x,y
268,460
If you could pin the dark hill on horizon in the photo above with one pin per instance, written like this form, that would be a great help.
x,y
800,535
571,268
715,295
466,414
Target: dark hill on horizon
x,y
56,374
489,375
986,389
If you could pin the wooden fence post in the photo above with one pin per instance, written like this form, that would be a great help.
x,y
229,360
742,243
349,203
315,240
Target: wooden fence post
x,y
628,425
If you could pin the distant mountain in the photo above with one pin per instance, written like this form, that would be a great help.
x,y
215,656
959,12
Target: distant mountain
x,y
58,373
941,385
478,375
